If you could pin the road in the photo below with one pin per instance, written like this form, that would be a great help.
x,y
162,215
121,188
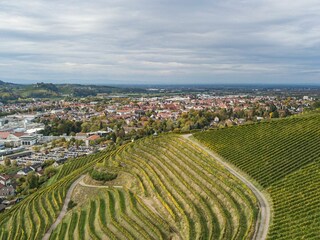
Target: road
x,y
263,223
64,208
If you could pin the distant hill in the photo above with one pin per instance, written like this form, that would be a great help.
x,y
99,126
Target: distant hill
x,y
3,83
10,91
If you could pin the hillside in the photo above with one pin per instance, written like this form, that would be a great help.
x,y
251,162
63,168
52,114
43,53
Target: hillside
x,y
167,188
283,156
30,218
11,92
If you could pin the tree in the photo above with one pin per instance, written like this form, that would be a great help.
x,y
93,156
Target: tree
x,y
14,163
48,163
103,175
71,205
36,148
78,143
32,180
275,114
53,144
316,104
85,127
7,162
50,171
118,141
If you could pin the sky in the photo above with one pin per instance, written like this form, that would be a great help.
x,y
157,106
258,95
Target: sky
x,y
160,41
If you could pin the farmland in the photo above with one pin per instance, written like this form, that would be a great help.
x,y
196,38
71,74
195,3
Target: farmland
x,y
34,215
284,158
176,191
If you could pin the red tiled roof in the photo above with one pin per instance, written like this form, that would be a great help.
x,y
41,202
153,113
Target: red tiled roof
x,y
93,137
19,134
4,135
5,177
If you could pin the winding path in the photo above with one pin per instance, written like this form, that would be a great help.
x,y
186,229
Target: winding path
x,y
82,183
263,223
64,208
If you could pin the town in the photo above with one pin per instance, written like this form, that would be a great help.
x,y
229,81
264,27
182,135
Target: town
x,y
42,135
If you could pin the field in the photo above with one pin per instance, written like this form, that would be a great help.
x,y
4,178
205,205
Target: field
x,y
174,191
34,215
283,156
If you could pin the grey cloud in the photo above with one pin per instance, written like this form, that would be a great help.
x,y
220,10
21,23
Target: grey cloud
x,y
160,41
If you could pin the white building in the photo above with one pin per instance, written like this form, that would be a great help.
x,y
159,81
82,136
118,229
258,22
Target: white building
x,y
28,140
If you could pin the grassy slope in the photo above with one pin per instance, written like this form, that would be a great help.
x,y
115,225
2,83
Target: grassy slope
x,y
283,156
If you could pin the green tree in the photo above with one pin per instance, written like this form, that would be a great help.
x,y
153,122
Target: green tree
x,y
14,163
48,163
50,171
32,180
275,114
7,162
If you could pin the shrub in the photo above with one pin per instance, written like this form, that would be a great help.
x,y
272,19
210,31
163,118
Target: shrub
x,y
71,205
103,175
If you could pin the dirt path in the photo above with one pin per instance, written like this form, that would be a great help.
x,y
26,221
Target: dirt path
x,y
82,183
263,223
64,208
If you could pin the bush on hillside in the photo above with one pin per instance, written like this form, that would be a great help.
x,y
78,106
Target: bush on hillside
x,y
103,175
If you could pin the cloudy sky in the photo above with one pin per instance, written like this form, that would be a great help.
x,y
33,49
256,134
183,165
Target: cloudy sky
x,y
160,41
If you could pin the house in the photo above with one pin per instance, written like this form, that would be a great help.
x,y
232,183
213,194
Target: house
x,y
8,139
92,138
28,140
13,141
6,191
2,122
37,167
61,161
139,112
7,203
4,135
5,180
25,171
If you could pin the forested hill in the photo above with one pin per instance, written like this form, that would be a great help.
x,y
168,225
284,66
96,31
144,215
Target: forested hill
x,y
10,91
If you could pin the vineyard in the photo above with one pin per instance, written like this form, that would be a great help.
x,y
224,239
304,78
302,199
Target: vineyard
x,y
34,215
284,157
178,192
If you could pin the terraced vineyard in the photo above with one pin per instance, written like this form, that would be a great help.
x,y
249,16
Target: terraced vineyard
x,y
116,213
284,157
177,192
34,215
